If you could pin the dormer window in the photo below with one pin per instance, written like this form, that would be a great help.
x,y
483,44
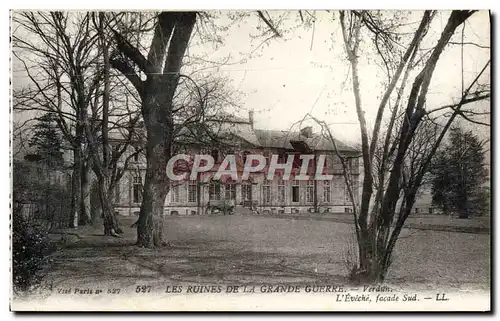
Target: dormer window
x,y
282,157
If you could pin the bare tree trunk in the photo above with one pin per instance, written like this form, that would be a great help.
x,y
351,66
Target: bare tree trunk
x,y
150,223
111,225
86,215
376,238
95,202
365,239
156,185
75,188
101,168
163,66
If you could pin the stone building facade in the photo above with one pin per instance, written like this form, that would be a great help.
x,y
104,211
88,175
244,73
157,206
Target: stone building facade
x,y
257,194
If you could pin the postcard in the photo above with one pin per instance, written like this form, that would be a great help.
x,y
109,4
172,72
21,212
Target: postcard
x,y
260,160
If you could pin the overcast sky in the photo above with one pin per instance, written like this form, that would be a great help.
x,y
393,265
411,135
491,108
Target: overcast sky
x,y
306,70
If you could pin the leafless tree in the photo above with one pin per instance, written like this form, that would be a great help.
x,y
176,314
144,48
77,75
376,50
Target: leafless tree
x,y
162,69
54,49
159,64
394,166
61,55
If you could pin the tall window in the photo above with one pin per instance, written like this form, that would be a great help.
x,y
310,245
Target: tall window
x,y
354,166
175,196
281,191
137,189
266,193
295,191
327,193
246,192
349,163
214,191
346,194
230,191
310,191
192,193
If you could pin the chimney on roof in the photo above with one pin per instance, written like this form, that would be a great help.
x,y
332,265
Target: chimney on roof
x,y
250,117
307,132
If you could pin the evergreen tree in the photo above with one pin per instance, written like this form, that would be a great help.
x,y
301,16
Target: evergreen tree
x,y
47,141
458,176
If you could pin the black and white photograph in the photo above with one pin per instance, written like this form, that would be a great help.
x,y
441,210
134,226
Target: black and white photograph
x,y
250,160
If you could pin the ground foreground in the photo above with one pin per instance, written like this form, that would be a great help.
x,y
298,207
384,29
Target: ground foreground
x,y
257,250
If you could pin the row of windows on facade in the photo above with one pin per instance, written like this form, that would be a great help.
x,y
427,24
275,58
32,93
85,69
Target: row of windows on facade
x,y
216,191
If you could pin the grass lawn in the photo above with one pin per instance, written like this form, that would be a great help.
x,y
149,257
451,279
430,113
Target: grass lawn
x,y
255,250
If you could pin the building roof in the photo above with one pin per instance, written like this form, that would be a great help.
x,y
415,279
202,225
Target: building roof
x,y
281,139
264,138
246,133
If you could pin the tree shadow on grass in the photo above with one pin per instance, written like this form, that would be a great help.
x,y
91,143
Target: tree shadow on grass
x,y
103,258
231,265
100,241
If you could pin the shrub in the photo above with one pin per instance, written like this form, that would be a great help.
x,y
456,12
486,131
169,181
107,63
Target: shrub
x,y
30,250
